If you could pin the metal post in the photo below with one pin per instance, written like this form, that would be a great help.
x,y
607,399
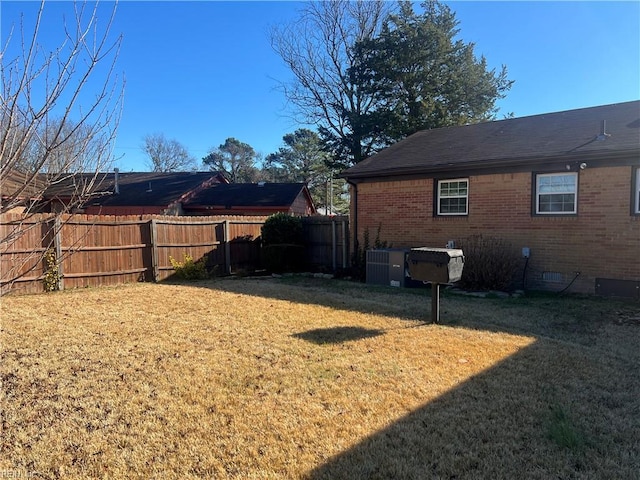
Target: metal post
x,y
435,302
331,192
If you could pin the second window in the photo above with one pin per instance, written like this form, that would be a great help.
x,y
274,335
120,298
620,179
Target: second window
x,y
556,193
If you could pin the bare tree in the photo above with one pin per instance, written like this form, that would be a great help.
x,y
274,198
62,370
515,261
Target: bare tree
x,y
319,50
59,111
75,154
167,155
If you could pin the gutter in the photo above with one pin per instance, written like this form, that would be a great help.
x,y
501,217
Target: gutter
x,y
234,208
354,220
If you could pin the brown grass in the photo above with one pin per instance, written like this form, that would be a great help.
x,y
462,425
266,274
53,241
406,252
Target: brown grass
x,y
267,378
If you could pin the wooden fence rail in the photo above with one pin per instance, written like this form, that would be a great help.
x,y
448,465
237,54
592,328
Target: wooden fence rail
x,y
106,250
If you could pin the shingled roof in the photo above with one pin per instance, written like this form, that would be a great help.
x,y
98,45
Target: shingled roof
x,y
136,189
248,195
609,130
14,183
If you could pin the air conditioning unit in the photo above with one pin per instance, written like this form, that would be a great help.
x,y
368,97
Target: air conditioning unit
x,y
389,267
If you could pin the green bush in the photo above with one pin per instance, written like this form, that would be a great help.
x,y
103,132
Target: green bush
x,y
489,263
281,228
188,269
283,243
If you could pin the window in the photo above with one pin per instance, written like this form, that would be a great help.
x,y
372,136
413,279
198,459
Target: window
x,y
453,196
556,193
636,193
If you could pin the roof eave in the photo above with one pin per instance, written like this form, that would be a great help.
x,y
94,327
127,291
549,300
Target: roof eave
x,y
194,207
495,165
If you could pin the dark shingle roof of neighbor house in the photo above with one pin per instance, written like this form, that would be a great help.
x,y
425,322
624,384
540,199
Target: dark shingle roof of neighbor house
x,y
20,184
248,195
514,141
136,189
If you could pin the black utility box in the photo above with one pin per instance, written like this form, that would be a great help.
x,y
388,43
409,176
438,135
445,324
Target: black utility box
x,y
436,265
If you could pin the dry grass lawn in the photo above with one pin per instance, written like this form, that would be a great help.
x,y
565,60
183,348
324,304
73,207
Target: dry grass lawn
x,y
309,378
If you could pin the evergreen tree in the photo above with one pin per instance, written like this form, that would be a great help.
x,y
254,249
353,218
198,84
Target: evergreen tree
x,y
422,77
369,76
304,159
236,160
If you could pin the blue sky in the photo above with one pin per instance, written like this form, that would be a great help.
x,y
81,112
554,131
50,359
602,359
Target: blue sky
x,y
200,72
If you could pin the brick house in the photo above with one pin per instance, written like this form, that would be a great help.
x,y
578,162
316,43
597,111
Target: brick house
x,y
565,185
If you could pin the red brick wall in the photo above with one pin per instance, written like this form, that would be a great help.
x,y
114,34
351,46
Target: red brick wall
x,y
603,240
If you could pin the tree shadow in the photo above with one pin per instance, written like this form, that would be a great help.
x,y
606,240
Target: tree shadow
x,y
497,425
322,336
576,320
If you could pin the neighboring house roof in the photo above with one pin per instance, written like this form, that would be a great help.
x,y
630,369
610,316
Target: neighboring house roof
x,y
598,132
21,185
260,195
137,189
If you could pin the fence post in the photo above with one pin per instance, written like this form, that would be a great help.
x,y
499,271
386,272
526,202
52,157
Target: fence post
x,y
334,245
153,234
344,244
57,245
227,248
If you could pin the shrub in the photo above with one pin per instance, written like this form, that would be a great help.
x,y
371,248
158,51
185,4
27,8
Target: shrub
x,y
51,277
359,261
489,263
283,257
188,269
281,228
283,240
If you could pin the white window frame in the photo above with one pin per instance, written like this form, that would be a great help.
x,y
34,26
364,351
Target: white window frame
x,y
558,191
636,193
439,197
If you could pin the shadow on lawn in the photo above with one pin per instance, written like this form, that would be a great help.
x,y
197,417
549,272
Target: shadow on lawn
x,y
322,336
572,319
338,294
501,424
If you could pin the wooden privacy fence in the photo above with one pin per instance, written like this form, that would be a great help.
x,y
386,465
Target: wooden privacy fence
x,y
327,242
83,250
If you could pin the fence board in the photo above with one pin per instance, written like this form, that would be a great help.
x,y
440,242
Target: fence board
x,y
196,237
94,250
23,242
327,242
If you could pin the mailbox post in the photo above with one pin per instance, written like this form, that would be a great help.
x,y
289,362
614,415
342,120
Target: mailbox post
x,y
437,266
